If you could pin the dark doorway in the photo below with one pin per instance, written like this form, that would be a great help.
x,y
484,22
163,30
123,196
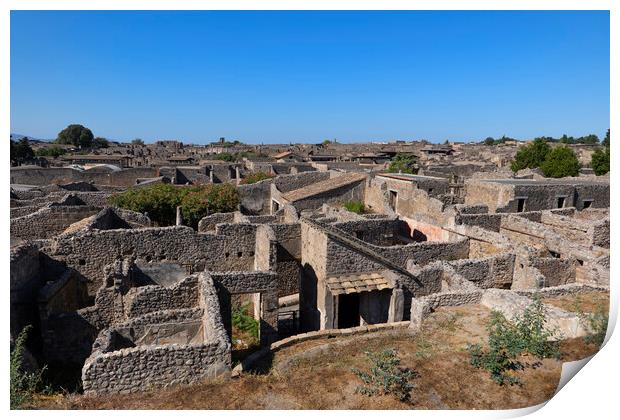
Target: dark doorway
x,y
418,236
348,310
393,198
587,203
520,205
561,202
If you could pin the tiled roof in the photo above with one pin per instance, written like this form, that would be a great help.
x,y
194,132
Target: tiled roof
x,y
323,186
357,283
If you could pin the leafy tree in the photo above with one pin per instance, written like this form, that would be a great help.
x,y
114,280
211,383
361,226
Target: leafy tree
x,y
256,177
201,201
77,135
101,142
21,151
326,142
600,161
489,141
606,139
531,155
53,151
137,142
561,162
404,163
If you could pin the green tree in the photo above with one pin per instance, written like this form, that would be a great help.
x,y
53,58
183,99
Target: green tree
x,y
560,162
606,139
531,155
137,142
77,135
21,151
53,151
404,163
101,142
489,141
201,201
600,161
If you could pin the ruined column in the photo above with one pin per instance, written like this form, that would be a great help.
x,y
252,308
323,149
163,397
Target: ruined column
x,y
237,175
179,216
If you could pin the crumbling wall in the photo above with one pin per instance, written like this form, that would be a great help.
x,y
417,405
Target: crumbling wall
x,y
49,221
495,271
256,198
207,223
25,281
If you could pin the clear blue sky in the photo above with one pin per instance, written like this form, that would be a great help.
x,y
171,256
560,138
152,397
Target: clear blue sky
x,y
308,76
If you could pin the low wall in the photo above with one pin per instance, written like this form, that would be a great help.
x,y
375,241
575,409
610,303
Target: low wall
x,y
49,221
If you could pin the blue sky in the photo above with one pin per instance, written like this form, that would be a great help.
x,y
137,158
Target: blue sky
x,y
308,76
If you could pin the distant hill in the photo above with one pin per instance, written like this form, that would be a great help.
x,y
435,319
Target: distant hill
x,y
17,137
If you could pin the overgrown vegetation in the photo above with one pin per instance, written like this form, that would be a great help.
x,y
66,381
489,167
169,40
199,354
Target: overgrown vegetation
x,y
531,155
403,162
77,135
560,162
595,323
509,340
53,151
23,384
386,376
245,327
161,200
601,158
21,151
225,156
256,177
555,162
355,207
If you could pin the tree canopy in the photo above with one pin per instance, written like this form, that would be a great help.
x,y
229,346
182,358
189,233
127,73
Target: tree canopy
x,y
531,155
404,163
560,162
77,135
601,157
137,142
161,200
21,151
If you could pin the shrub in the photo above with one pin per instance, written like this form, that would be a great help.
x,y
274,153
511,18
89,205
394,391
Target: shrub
x,y
53,151
386,376
161,200
227,157
355,207
245,324
508,340
560,162
256,177
23,385
596,323
404,163
531,155
600,161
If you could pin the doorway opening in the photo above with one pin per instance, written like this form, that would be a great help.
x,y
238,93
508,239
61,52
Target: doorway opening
x,y
349,310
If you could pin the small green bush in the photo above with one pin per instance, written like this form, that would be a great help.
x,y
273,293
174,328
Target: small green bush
x,y
560,162
23,385
256,177
596,323
386,376
243,321
355,207
508,340
227,157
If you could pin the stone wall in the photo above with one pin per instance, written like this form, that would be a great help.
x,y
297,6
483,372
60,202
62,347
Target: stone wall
x,y
25,281
287,183
49,221
231,248
495,271
207,223
256,198
45,176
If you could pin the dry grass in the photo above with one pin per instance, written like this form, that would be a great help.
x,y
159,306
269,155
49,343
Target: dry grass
x,y
317,375
588,302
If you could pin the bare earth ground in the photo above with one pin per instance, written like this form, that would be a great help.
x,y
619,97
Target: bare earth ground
x,y
317,374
